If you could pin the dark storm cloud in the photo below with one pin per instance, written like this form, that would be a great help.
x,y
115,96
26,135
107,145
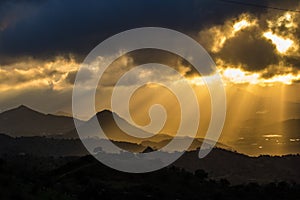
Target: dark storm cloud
x,y
59,27
12,11
249,49
293,60
141,57
129,61
145,56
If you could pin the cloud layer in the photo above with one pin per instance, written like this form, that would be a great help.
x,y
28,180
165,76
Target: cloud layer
x,y
46,29
267,43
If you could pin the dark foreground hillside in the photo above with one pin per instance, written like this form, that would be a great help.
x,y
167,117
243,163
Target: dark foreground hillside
x,y
29,177
219,164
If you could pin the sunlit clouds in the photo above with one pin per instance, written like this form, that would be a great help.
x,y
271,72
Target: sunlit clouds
x,y
60,74
35,74
220,34
240,76
282,45
256,50
247,50
283,33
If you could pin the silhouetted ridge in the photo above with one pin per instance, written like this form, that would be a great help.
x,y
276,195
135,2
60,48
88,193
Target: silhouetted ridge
x,y
104,113
24,121
22,109
148,150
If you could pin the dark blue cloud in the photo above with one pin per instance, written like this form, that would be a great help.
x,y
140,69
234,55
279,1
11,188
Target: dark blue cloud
x,y
59,27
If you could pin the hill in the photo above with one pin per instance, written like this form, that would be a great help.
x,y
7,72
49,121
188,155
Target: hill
x,y
23,121
220,163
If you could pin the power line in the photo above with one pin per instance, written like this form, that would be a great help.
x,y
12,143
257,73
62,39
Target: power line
x,y
259,5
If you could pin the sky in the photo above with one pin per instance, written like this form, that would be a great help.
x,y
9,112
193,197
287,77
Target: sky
x,y
256,51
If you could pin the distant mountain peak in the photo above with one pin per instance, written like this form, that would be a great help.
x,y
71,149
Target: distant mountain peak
x,y
24,121
20,109
148,150
23,107
26,109
105,112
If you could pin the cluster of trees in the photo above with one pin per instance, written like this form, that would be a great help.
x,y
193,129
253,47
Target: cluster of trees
x,y
27,177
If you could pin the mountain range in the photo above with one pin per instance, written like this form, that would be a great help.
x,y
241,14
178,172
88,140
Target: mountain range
x,y
26,122
29,133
